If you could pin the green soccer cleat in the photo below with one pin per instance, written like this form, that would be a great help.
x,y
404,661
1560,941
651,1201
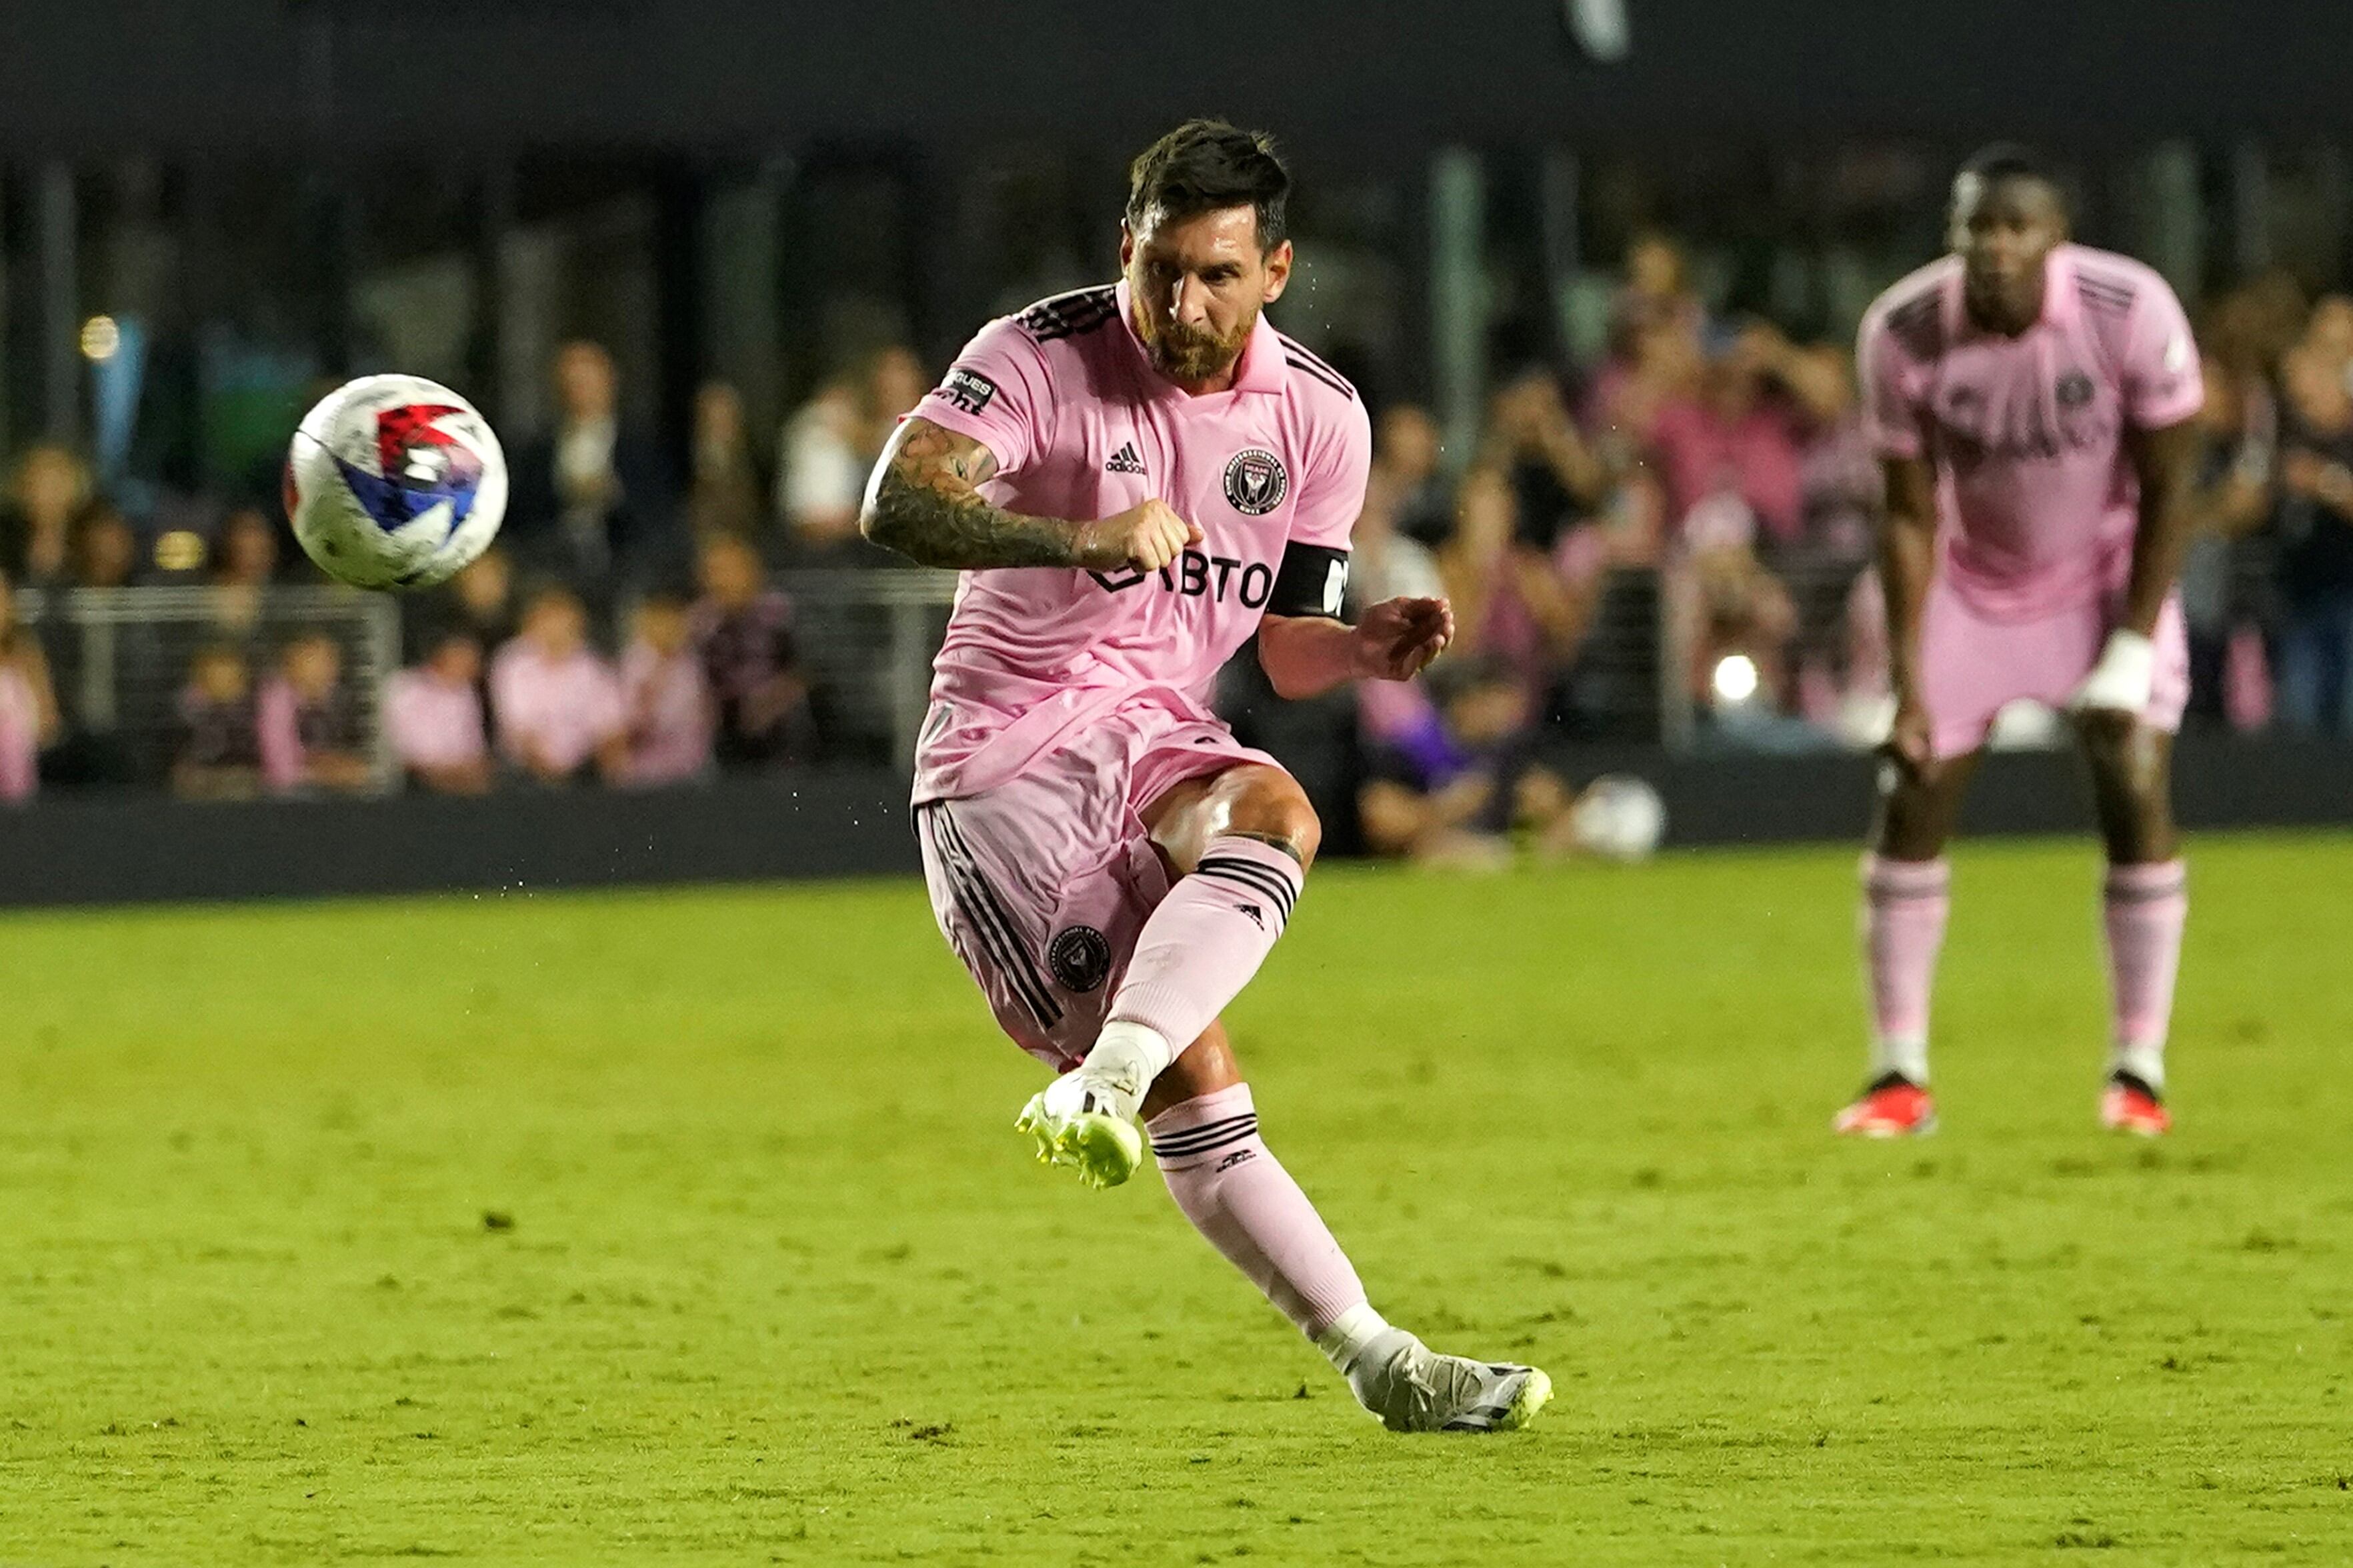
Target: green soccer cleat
x,y
1411,1388
1079,1126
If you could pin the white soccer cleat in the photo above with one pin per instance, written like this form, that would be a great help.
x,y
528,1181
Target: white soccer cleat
x,y
1413,1389
1086,1124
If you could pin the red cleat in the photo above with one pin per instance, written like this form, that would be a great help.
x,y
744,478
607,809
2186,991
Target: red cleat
x,y
2128,1105
1895,1107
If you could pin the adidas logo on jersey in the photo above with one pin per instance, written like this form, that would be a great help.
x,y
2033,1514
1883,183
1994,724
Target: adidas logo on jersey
x,y
1124,461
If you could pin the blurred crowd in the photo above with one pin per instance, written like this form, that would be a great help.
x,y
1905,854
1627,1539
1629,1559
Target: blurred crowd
x,y
1680,534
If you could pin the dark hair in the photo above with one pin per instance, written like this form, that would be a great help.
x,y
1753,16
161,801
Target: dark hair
x,y
1207,165
2007,161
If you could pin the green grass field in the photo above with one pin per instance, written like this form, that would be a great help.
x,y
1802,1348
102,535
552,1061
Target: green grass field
x,y
690,1227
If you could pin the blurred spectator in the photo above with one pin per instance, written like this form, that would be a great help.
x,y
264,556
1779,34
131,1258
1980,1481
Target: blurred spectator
x,y
557,703
1451,765
434,712
2225,574
822,483
29,705
1386,563
727,494
829,446
219,754
1840,498
1658,341
245,551
1728,458
2329,332
743,632
480,602
104,551
1509,602
1737,432
2316,534
1731,608
665,696
49,487
308,723
1406,457
1657,287
895,383
591,499
1531,441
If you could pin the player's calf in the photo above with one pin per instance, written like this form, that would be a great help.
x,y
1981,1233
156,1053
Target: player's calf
x,y
1239,1197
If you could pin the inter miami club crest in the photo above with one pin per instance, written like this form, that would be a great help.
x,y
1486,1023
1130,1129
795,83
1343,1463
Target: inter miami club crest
x,y
1079,958
2074,389
1255,481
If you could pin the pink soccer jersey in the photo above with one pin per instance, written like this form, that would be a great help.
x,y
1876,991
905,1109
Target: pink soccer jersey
x,y
1082,426
2038,497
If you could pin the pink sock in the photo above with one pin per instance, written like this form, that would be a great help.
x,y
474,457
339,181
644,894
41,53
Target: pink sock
x,y
2146,907
1206,939
1904,906
1239,1197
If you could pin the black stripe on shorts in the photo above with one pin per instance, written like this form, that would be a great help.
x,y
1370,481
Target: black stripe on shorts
x,y
987,915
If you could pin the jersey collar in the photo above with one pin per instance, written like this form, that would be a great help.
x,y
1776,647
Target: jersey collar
x,y
2059,304
1262,369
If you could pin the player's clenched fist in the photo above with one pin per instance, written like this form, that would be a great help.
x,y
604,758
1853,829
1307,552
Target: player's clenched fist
x,y
1397,638
1147,537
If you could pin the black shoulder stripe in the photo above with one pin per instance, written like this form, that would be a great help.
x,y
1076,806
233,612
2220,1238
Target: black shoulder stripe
x,y
1303,351
1331,378
1919,325
1068,315
2093,276
2103,296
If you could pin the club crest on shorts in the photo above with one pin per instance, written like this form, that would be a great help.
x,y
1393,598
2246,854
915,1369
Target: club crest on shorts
x,y
1256,481
1080,957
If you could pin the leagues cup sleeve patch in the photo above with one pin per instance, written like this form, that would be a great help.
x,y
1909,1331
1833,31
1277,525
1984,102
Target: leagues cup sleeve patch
x,y
1314,581
967,389
1256,481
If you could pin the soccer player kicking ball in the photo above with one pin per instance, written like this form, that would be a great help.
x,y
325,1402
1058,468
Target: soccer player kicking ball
x,y
2044,390
1132,479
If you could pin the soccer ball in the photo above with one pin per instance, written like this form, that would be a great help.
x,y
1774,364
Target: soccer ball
x,y
1618,817
395,481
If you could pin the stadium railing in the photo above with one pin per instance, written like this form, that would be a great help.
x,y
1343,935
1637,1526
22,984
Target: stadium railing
x,y
121,659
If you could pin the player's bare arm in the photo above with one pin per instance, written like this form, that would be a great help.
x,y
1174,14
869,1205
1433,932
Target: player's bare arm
x,y
1307,656
924,502
1907,560
2167,463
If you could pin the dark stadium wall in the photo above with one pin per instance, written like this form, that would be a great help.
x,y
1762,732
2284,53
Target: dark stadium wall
x,y
97,75
854,823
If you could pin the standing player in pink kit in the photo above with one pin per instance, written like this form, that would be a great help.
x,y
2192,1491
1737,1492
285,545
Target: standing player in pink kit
x,y
2038,395
1132,479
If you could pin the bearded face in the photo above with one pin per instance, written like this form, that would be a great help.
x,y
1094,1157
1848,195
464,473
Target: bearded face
x,y
1187,353
1197,285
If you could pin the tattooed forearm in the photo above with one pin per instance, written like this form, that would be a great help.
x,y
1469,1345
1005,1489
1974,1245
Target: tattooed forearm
x,y
923,503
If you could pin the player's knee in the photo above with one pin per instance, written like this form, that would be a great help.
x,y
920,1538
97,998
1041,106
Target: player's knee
x,y
1279,815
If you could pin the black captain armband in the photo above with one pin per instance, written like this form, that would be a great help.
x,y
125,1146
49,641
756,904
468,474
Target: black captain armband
x,y
1313,581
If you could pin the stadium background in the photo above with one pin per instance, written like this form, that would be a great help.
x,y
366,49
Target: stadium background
x,y
523,1225
778,226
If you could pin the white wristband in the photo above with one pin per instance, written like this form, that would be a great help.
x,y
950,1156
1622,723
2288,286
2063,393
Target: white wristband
x,y
2121,681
